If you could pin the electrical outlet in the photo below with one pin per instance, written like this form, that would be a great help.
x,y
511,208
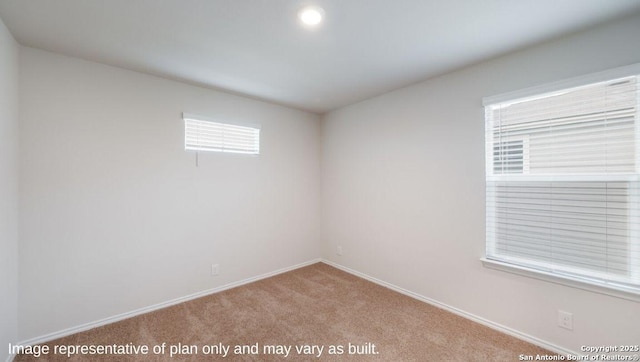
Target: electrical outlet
x,y
339,251
565,320
215,269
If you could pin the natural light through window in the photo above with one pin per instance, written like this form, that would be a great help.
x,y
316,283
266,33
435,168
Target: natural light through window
x,y
202,134
562,183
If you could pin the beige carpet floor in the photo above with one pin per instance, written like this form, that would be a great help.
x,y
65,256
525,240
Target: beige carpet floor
x,y
315,305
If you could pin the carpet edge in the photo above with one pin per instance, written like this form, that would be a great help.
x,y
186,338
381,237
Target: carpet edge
x,y
136,312
485,322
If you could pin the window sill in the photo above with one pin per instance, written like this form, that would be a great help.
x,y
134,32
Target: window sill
x,y
568,281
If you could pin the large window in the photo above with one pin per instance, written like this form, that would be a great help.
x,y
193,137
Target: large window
x,y
203,134
562,183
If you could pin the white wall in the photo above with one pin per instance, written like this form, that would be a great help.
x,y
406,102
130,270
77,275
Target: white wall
x,y
403,191
8,189
115,215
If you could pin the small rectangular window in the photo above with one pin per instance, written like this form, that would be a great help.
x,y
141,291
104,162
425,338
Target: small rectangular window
x,y
202,134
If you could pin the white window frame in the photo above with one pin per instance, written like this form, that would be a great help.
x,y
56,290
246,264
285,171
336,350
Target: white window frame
x,y
620,291
217,143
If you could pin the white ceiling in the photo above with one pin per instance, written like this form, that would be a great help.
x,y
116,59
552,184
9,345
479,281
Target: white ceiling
x,y
257,48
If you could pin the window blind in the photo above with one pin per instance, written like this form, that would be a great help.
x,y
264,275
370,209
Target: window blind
x,y
562,183
201,134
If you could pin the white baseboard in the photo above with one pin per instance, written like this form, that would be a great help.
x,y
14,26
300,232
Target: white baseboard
x,y
151,308
499,327
87,326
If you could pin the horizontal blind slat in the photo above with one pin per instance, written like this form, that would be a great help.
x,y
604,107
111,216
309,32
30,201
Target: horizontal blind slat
x,y
203,135
583,228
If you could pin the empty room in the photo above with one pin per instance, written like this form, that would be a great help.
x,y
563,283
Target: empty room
x,y
266,180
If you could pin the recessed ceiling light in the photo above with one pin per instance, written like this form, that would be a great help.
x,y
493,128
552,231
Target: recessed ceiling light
x,y
311,15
